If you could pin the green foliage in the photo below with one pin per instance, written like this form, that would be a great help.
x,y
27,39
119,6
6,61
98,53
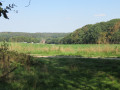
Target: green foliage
x,y
51,38
66,74
10,61
4,11
100,33
54,40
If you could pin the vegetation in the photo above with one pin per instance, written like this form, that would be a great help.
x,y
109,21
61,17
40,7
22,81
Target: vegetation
x,y
4,11
85,50
10,61
66,74
100,33
20,71
51,38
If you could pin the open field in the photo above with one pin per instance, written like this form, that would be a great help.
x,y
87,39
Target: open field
x,y
84,50
58,73
66,74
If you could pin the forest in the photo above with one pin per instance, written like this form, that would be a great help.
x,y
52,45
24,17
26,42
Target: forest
x,y
99,33
49,38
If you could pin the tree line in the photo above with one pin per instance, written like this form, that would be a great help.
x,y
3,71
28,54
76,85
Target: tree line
x,y
50,38
99,33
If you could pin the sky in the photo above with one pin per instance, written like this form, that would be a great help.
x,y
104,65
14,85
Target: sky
x,y
57,15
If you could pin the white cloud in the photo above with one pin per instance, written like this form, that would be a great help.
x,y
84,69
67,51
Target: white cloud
x,y
100,15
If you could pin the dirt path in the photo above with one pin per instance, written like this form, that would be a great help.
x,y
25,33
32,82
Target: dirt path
x,y
111,58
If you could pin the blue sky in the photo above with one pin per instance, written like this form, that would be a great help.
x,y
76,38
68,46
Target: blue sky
x,y
58,15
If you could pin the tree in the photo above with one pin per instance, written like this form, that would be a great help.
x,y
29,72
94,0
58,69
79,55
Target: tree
x,y
7,64
104,32
4,11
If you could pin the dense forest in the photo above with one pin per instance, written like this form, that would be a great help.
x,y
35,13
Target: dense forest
x,y
99,33
51,38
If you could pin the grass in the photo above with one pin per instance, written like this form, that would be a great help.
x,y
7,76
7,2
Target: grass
x,y
85,50
66,74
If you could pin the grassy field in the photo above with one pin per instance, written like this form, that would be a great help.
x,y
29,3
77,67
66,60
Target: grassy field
x,y
60,73
66,74
85,50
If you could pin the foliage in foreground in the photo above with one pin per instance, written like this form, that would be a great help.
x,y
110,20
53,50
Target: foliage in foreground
x,y
10,61
21,72
66,74
4,11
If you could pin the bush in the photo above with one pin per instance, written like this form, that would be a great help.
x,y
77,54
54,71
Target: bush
x,y
11,60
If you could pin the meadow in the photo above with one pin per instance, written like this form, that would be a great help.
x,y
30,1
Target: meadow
x,y
83,50
65,74
25,72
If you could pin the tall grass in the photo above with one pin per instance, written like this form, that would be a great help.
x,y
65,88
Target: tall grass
x,y
86,50
60,73
66,74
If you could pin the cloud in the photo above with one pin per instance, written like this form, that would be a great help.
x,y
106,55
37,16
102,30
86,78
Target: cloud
x,y
100,15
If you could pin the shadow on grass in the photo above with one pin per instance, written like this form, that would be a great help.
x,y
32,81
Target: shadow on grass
x,y
78,56
67,74
5,86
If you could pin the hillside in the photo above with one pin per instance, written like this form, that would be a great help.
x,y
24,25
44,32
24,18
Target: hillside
x,y
31,37
99,33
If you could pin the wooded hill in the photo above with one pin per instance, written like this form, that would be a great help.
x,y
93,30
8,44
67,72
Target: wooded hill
x,y
53,38
99,33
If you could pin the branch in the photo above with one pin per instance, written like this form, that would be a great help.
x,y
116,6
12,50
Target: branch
x,y
3,76
28,3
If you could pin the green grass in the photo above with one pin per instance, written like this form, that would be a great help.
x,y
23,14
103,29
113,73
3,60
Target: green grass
x,y
66,74
85,50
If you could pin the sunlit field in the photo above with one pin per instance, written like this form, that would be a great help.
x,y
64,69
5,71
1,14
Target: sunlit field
x,y
83,50
54,73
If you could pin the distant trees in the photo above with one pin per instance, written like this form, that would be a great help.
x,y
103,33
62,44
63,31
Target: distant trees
x,y
50,38
104,32
53,40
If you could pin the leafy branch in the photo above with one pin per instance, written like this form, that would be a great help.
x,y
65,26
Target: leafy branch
x,y
4,11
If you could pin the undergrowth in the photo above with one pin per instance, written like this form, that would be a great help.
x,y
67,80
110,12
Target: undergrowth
x,y
10,61
66,74
19,71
